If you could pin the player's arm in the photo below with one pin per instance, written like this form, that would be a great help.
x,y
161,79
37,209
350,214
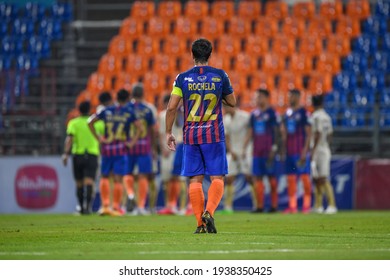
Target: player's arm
x,y
67,147
316,137
275,144
283,141
170,117
247,140
138,131
91,124
229,100
306,147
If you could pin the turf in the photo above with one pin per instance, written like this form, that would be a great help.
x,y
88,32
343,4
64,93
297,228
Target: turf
x,y
347,235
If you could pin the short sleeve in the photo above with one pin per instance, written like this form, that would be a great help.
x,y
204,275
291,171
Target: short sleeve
x,y
177,90
227,85
70,130
99,126
101,115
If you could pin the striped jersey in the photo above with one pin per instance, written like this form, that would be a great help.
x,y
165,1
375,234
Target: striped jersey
x,y
263,124
202,89
117,120
147,117
295,123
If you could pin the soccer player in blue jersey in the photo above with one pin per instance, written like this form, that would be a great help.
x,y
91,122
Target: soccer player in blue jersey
x,y
203,90
296,131
114,146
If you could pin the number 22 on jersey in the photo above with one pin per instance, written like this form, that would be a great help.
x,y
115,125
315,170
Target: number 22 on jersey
x,y
208,114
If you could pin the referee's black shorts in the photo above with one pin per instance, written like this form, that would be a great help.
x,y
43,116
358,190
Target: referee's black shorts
x,y
84,166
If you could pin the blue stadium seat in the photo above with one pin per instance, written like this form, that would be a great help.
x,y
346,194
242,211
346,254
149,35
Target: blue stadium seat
x,y
386,43
381,61
63,11
50,28
365,44
336,98
39,47
374,80
11,46
363,97
384,97
384,118
5,63
8,11
382,8
344,82
23,27
27,63
34,11
3,28
334,114
355,62
375,25
353,117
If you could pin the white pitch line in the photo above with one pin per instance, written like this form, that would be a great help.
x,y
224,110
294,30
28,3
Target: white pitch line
x,y
214,243
23,253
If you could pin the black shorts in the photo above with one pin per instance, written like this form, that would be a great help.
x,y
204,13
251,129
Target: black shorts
x,y
85,166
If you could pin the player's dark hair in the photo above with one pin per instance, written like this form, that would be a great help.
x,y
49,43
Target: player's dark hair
x,y
105,98
138,90
317,100
122,96
295,92
166,98
263,91
84,108
201,50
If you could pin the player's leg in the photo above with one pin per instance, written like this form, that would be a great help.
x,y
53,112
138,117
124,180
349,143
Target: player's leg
x,y
78,176
104,186
89,181
167,181
128,181
145,167
324,170
304,173
153,187
318,190
274,193
259,170
291,171
229,188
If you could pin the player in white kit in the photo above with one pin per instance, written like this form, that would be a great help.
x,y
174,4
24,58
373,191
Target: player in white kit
x,y
322,130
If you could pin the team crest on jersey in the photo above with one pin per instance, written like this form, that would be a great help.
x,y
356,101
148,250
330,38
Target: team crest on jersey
x,y
108,113
189,79
216,79
202,78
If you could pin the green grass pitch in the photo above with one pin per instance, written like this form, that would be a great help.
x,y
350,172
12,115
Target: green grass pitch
x,y
347,235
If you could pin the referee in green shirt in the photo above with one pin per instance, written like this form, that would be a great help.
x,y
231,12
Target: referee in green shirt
x,y
85,151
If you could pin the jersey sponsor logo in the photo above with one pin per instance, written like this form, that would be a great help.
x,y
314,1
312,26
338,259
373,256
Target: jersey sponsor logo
x,y
36,186
189,79
216,79
202,79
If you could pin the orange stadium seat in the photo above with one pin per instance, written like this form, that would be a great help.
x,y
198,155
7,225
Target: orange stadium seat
x,y
283,45
228,45
169,10
293,27
331,10
289,80
348,26
158,27
174,45
320,27
239,27
136,65
83,96
359,9
163,63
310,45
301,63
223,10
186,62
212,28
256,45
279,99
142,10
249,9
196,10
74,113
185,27
245,64
120,46
110,64
273,63
98,82
304,10
266,27
276,9
338,44
220,61
328,63
124,80
147,46
132,28
154,85
319,82
239,82
262,80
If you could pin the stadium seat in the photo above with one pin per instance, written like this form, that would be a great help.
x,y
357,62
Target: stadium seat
x,y
245,64
163,63
310,45
154,85
158,27
384,118
333,113
136,65
239,27
239,82
336,98
173,45
228,45
50,28
27,63
375,25
142,10
321,27
83,96
223,10
249,9
359,9
186,62
353,117
8,11
120,46
3,28
355,62
273,63
283,45
266,27
212,28
319,83
385,46
147,46
11,46
123,80
169,10
338,44
196,10
262,80
110,65
220,61
304,10
345,82
381,62
276,9
384,97
382,8
39,46
348,26
186,28
301,63
289,80
279,99
293,27
5,63
34,11
328,63
256,45
63,11
98,82
365,44
132,28
363,98
23,27
331,10
374,80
